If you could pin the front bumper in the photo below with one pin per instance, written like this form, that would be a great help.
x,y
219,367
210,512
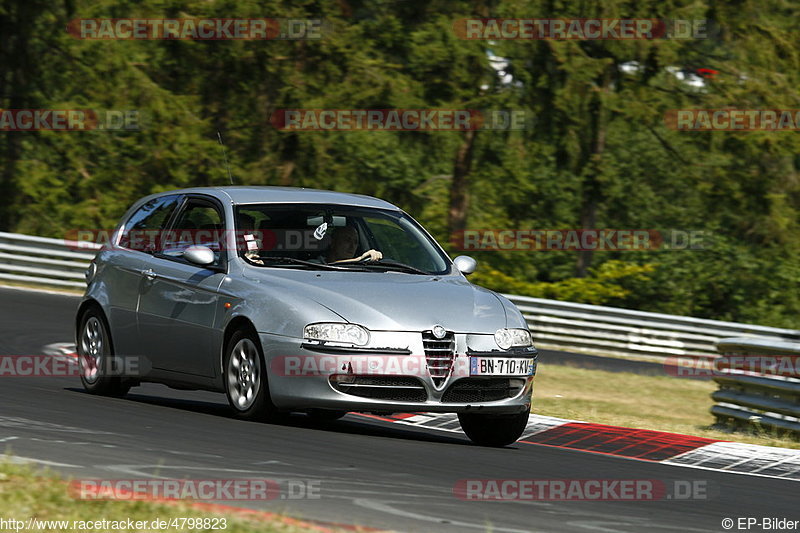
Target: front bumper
x,y
378,380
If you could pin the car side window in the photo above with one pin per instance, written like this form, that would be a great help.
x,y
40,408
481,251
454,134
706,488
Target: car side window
x,y
142,231
198,223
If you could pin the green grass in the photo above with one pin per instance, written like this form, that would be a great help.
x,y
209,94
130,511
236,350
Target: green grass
x,y
631,400
26,493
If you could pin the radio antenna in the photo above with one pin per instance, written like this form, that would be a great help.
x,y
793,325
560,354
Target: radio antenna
x,y
225,156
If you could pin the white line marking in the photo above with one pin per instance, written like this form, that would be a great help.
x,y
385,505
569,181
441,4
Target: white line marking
x,y
66,349
730,454
776,463
35,425
608,527
710,469
791,473
443,521
27,460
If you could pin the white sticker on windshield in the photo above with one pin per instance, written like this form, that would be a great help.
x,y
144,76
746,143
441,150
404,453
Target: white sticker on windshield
x,y
252,245
319,233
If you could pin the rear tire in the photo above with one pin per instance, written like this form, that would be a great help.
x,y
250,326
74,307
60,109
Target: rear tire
x,y
493,430
95,352
246,378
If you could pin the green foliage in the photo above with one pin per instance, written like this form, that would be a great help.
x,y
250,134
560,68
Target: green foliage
x,y
598,155
610,284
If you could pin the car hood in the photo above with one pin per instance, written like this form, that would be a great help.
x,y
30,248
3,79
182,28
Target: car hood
x,y
391,300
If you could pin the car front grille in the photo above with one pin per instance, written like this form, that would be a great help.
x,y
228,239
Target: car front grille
x,y
392,388
476,390
439,354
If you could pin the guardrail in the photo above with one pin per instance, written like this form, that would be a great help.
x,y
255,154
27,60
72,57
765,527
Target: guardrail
x,y
759,384
39,260
555,325
604,330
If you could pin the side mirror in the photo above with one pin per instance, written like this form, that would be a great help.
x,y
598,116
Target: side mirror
x,y
199,255
465,264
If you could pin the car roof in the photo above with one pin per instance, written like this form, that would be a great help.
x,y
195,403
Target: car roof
x,y
243,194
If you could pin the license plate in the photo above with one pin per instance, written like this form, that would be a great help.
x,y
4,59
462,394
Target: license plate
x,y
500,366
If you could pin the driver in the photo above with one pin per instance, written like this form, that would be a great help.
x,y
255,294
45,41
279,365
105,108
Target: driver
x,y
343,246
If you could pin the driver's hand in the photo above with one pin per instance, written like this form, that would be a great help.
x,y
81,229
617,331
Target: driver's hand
x,y
371,255
254,257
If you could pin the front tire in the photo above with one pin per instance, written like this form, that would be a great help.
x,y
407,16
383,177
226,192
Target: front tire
x,y
95,355
493,430
246,378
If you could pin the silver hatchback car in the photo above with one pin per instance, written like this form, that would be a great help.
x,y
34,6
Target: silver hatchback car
x,y
289,299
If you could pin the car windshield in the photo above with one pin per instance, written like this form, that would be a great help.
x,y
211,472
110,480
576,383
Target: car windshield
x,y
357,238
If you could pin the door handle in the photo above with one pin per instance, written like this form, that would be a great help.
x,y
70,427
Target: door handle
x,y
149,274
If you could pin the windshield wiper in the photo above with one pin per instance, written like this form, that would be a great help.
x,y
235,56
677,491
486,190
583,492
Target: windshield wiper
x,y
281,260
388,264
383,264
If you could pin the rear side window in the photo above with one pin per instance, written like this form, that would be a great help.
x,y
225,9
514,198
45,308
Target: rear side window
x,y
142,231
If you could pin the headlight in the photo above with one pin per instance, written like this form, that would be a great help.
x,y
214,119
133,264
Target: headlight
x,y
508,338
335,332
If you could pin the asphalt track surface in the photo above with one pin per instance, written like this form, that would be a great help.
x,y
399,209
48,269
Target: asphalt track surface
x,y
369,472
